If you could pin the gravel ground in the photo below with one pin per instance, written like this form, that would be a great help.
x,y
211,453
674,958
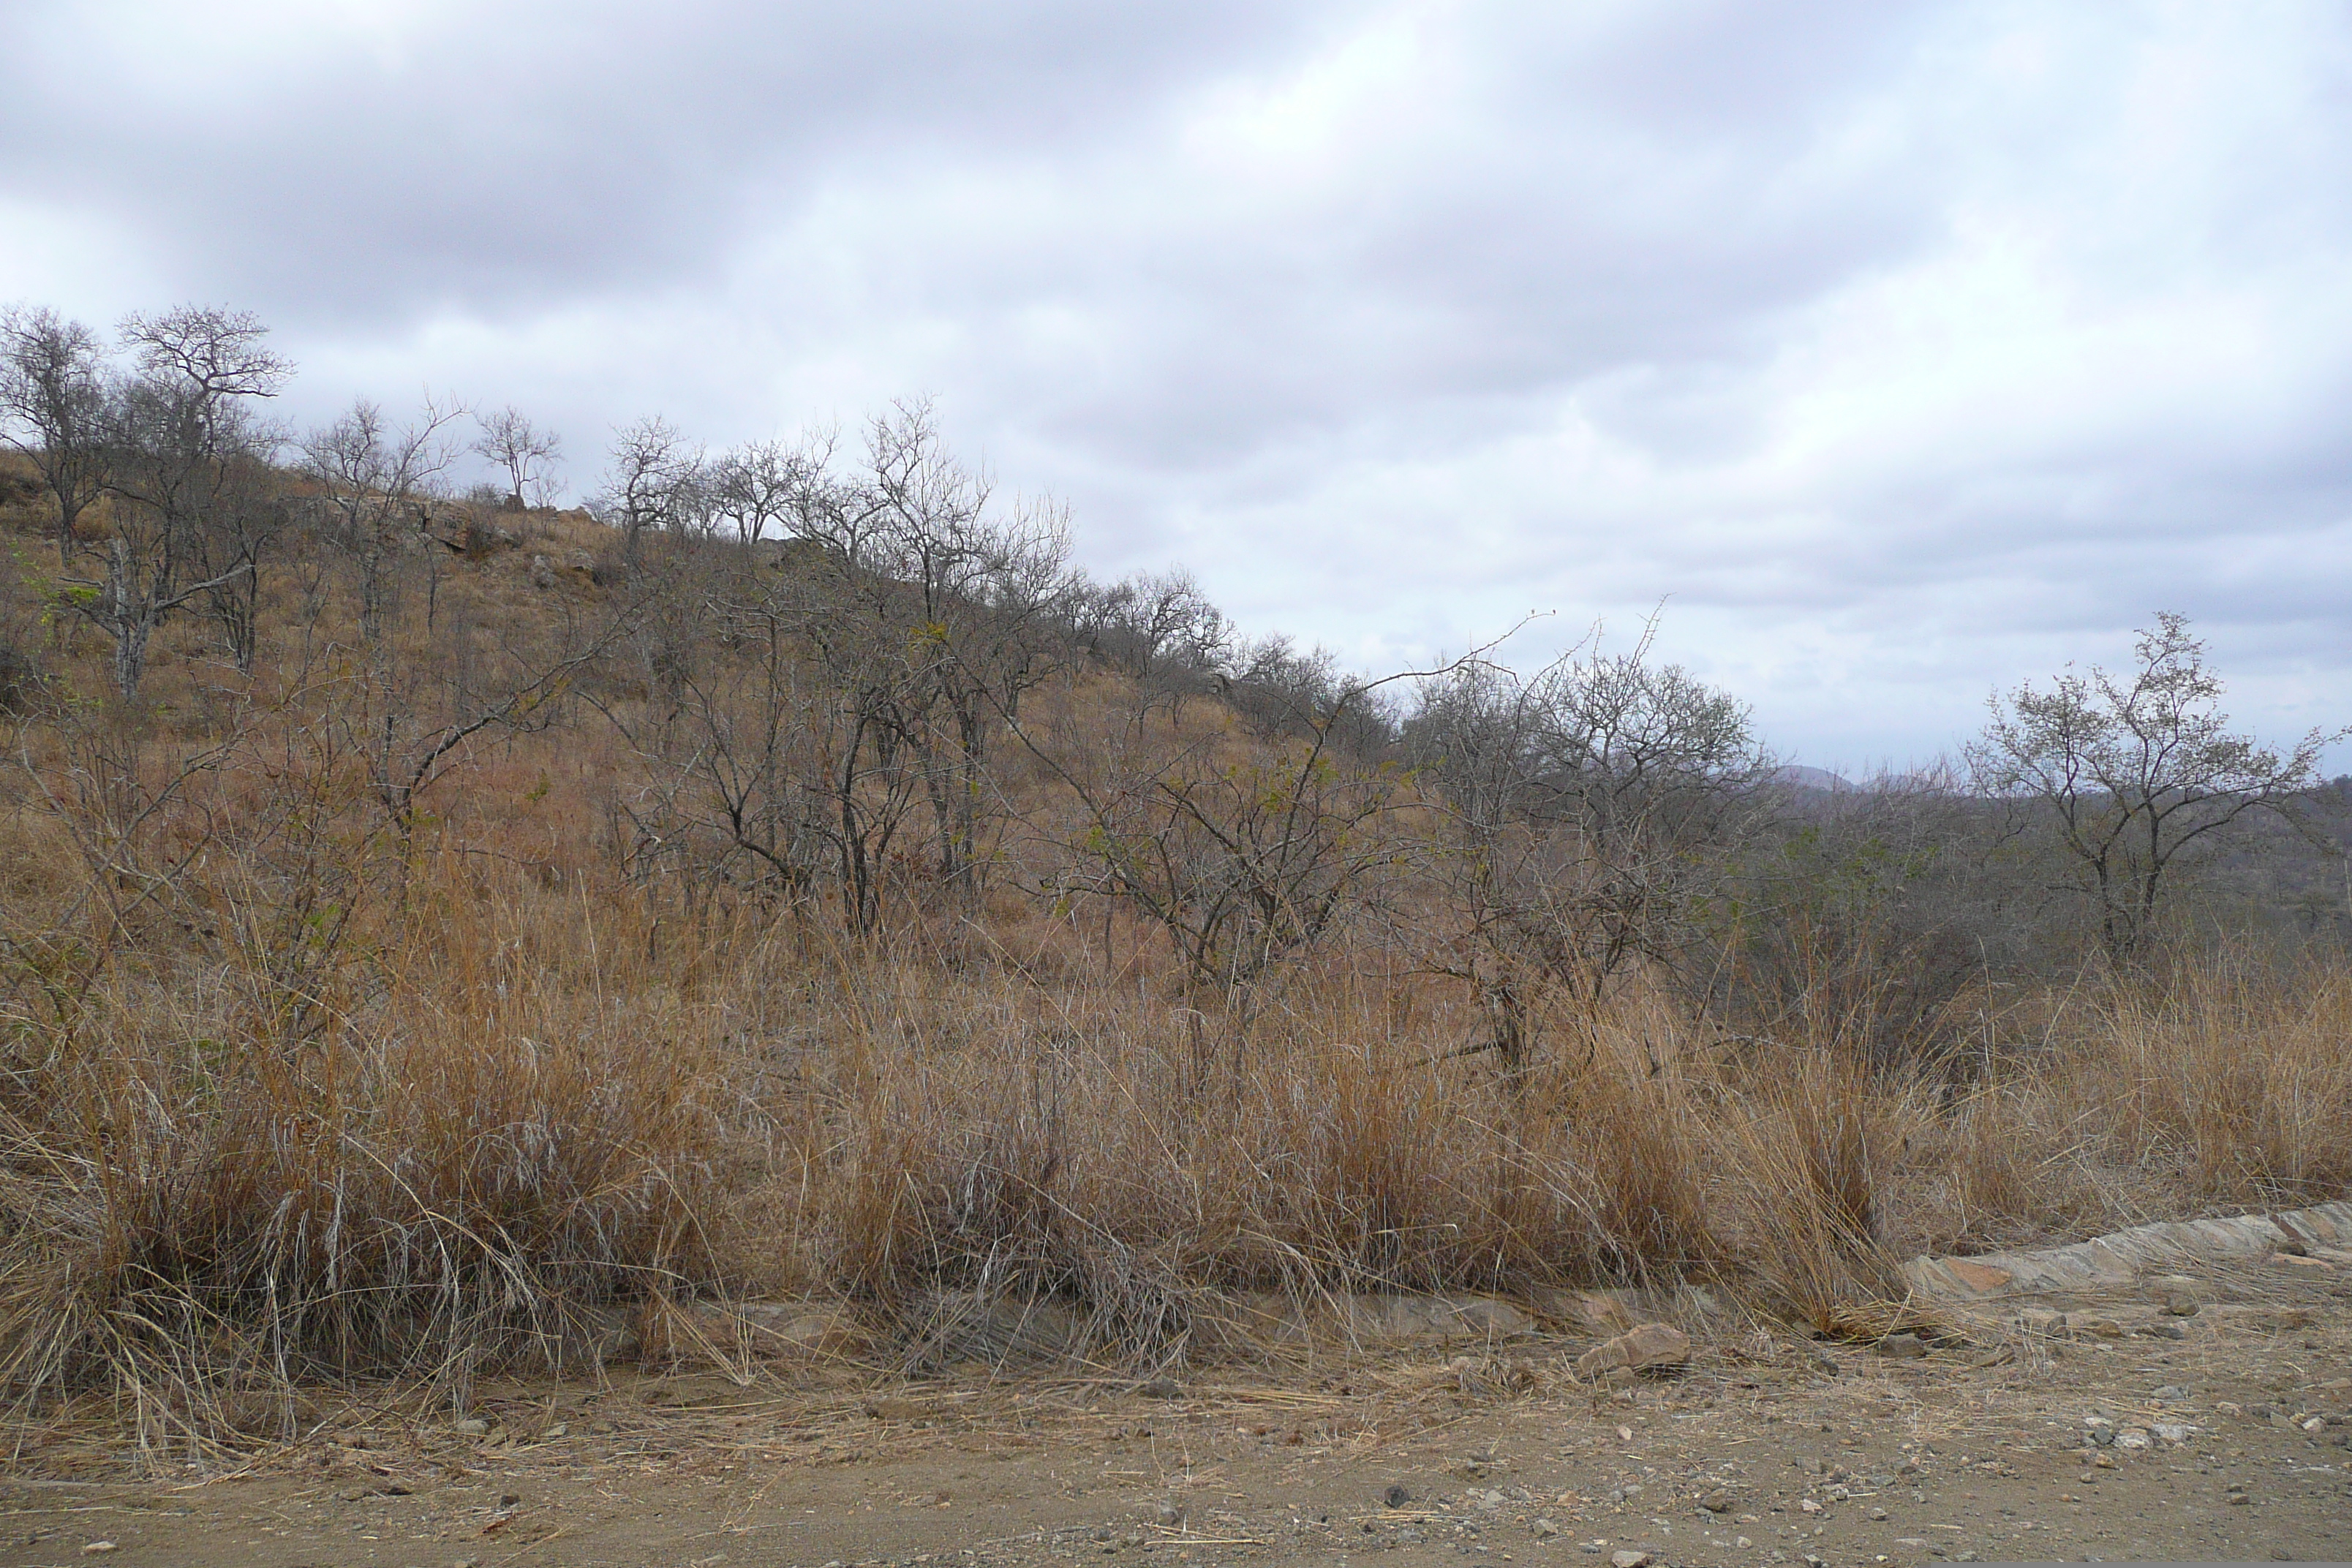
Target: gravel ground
x,y
2106,1437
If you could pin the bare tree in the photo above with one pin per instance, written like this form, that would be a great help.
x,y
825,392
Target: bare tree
x,y
190,454
53,402
914,573
756,486
651,479
1589,809
1244,865
371,477
2136,771
1161,630
527,455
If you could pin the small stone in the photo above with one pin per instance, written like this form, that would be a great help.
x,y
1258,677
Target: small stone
x,y
1630,1560
1544,1528
1912,1543
2132,1437
2239,1500
1878,1514
1809,1505
99,1549
1644,1345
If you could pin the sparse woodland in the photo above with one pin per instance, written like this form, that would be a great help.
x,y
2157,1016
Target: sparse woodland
x,y
428,921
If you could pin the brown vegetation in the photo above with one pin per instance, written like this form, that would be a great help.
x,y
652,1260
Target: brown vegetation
x,y
516,923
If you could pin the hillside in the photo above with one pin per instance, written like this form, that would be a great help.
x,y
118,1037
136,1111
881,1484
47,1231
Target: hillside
x,y
519,919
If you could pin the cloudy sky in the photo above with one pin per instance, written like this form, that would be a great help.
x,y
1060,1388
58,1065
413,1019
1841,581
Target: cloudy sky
x,y
1899,349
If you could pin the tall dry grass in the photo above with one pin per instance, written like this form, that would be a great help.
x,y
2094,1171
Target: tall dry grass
x,y
553,1106
288,1098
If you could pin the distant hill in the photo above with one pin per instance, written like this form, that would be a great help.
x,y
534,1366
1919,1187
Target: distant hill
x,y
1802,777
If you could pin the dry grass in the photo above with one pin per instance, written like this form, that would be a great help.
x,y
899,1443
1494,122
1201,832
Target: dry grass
x,y
287,1100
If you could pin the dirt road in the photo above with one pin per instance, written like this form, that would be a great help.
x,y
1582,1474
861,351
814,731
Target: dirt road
x,y
2098,1440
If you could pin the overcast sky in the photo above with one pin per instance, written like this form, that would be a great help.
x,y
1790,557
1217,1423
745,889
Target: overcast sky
x,y
1900,350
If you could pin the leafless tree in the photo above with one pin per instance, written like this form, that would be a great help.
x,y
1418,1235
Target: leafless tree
x,y
189,467
1589,809
1161,630
650,480
950,612
756,486
2136,771
527,455
53,403
371,476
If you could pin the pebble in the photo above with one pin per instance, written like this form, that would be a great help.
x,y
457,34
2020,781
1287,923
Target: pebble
x,y
1544,1528
1630,1560
98,1548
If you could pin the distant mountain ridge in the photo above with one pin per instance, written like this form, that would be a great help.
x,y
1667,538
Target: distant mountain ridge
x,y
1803,777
